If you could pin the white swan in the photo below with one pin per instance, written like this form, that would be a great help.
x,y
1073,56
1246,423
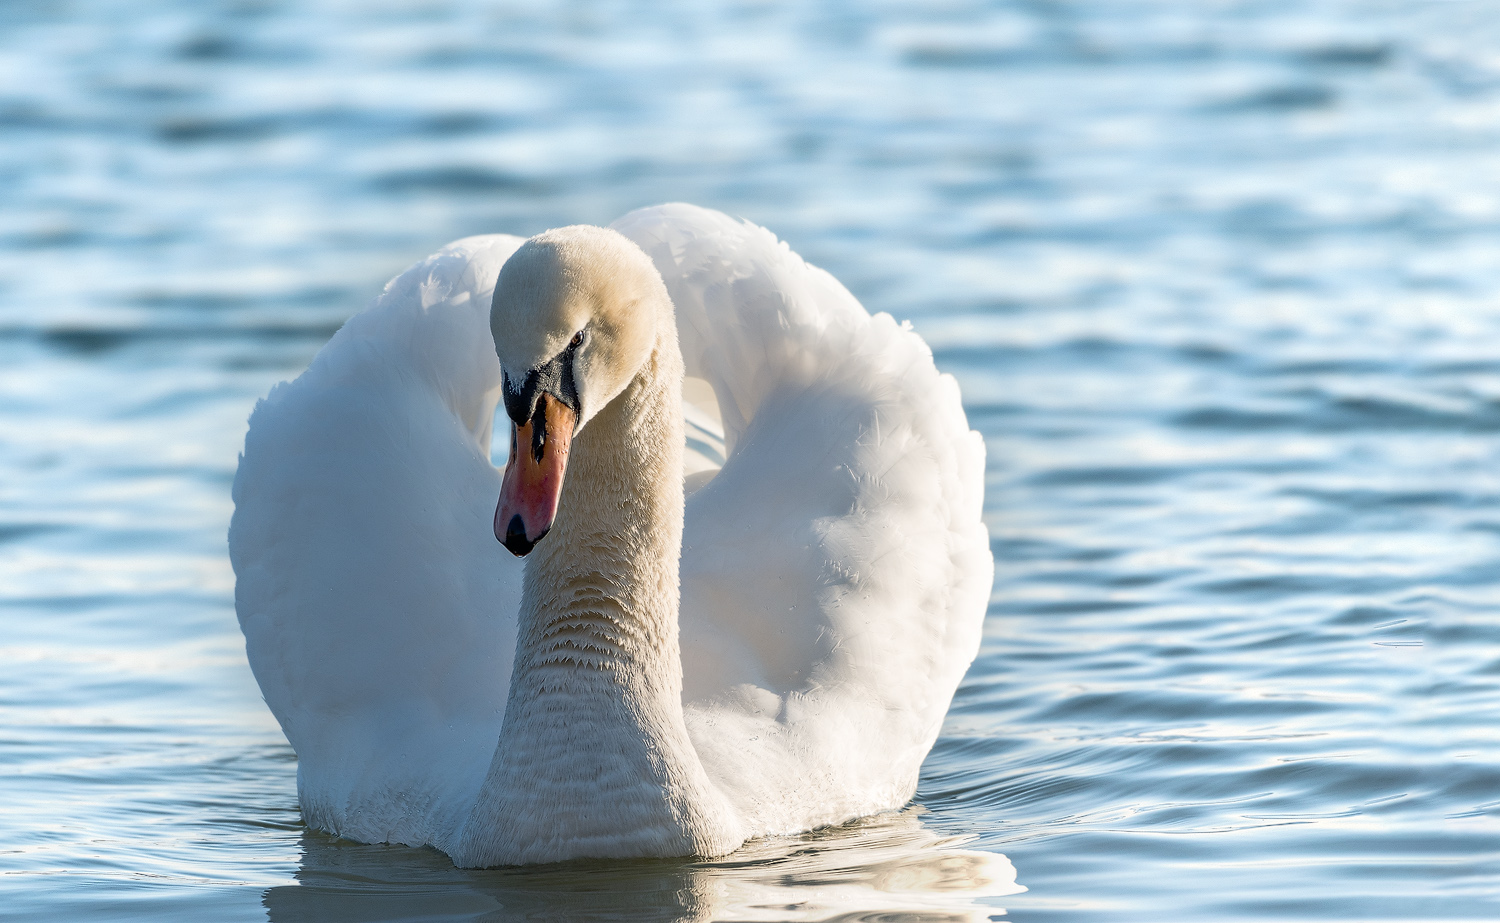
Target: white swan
x,y
833,573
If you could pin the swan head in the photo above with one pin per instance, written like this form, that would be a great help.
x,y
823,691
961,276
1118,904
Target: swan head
x,y
574,319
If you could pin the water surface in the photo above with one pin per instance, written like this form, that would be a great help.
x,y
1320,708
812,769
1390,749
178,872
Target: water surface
x,y
1221,283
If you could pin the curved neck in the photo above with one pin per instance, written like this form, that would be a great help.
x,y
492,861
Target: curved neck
x,y
594,758
600,601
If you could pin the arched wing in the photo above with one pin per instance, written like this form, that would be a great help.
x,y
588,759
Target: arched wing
x,y
378,610
835,571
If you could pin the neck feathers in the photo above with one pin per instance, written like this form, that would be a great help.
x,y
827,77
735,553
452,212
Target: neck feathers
x,y
602,591
594,758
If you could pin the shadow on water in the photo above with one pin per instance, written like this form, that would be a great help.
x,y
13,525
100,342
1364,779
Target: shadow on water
x,y
881,868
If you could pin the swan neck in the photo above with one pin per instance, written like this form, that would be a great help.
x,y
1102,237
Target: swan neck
x,y
601,593
594,758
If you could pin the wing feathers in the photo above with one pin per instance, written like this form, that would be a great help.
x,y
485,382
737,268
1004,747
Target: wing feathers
x,y
835,572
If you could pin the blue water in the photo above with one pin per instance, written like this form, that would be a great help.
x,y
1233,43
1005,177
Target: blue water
x,y
1220,281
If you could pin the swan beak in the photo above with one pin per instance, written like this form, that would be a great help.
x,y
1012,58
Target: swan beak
x,y
533,479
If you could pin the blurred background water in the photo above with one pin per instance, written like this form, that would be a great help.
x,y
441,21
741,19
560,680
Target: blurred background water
x,y
1220,281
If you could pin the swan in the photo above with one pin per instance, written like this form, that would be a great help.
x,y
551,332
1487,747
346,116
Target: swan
x,y
734,575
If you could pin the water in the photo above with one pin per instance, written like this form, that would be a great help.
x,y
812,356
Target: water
x,y
1219,282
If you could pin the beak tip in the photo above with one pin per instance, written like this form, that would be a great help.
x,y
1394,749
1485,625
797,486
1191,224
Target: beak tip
x,y
515,540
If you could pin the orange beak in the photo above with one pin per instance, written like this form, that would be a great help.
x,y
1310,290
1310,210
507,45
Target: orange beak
x,y
534,477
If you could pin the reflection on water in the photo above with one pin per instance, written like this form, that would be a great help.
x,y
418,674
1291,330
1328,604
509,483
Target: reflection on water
x,y
884,868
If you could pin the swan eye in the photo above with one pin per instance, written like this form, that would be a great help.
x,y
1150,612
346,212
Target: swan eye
x,y
577,340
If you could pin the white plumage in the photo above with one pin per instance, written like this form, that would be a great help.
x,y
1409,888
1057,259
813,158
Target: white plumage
x,y
834,572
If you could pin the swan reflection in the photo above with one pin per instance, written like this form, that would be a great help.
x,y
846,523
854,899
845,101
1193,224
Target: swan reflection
x,y
876,868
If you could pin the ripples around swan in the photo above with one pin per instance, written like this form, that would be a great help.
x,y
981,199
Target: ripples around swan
x,y
1219,284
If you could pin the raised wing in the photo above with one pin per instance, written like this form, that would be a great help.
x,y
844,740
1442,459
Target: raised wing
x,y
378,610
835,571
